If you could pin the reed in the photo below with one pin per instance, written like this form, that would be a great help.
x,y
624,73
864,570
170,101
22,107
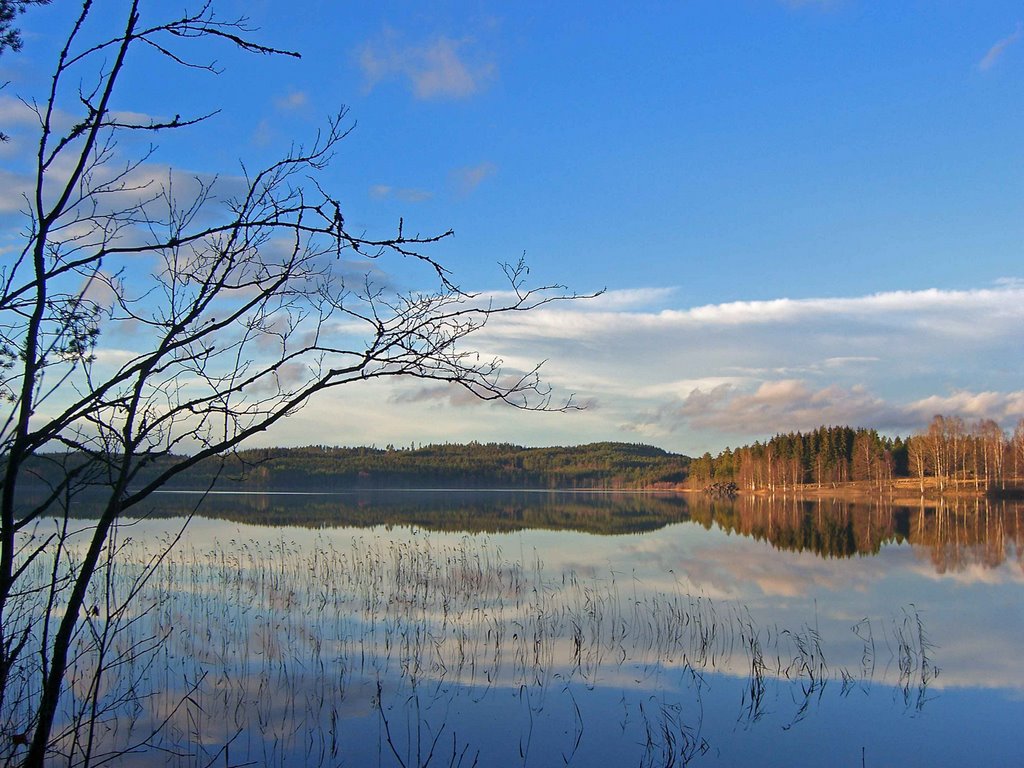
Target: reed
x,y
267,652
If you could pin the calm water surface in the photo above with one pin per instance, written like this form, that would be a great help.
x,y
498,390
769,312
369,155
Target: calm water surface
x,y
555,629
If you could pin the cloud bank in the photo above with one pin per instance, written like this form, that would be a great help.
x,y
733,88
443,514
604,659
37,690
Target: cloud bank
x,y
695,379
716,374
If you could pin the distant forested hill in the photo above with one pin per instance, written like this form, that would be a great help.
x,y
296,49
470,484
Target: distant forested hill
x,y
472,465
950,455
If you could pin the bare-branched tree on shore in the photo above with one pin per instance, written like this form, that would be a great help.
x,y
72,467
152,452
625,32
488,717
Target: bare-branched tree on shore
x,y
238,308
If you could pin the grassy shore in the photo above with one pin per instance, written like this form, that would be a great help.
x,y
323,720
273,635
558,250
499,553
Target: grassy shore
x,y
900,490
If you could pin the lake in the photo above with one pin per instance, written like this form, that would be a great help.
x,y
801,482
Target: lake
x,y
542,629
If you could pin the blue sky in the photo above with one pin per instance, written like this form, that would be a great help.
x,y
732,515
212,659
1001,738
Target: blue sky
x,y
801,212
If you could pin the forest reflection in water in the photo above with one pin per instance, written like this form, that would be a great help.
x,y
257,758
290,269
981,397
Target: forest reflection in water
x,y
954,534
498,629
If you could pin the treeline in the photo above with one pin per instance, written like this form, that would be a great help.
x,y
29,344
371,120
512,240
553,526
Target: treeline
x,y
461,511
472,465
954,455
956,534
949,455
826,456
604,466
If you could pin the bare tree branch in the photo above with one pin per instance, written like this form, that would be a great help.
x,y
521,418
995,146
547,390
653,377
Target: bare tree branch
x,y
241,309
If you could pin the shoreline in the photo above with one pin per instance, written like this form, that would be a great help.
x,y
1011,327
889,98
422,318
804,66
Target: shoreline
x,y
902,491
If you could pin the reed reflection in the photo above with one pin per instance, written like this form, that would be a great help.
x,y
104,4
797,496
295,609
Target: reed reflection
x,y
270,651
411,638
953,534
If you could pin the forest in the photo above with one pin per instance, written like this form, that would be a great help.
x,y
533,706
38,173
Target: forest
x,y
602,466
471,465
949,456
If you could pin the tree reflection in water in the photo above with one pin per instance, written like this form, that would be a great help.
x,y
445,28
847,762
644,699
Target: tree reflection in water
x,y
426,649
413,637
954,534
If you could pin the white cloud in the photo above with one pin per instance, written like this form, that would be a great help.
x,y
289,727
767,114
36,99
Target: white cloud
x,y
683,387
841,362
442,68
874,305
405,194
693,378
134,118
14,112
1004,407
969,313
289,376
795,405
631,298
263,134
469,178
687,377
996,52
292,101
698,378
448,394
13,190
114,357
1010,282
785,405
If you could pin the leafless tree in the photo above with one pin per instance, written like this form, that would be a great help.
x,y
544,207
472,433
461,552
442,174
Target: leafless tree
x,y
1017,451
990,442
918,453
240,307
